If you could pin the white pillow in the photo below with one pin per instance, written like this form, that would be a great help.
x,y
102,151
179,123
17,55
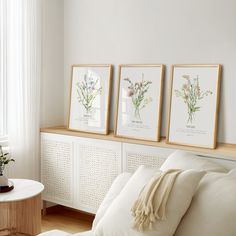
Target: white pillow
x,y
54,232
213,208
86,233
118,219
116,187
187,160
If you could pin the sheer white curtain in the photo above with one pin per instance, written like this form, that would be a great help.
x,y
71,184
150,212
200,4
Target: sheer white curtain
x,y
23,85
3,126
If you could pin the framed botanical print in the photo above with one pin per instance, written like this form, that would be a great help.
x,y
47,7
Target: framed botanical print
x,y
139,102
194,105
90,98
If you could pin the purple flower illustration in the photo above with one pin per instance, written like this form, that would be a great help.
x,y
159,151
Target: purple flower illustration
x,y
88,90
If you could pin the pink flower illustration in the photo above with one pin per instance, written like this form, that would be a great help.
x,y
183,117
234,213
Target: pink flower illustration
x,y
138,92
130,92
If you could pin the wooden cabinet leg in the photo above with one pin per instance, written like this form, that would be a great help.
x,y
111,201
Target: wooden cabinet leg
x,y
44,208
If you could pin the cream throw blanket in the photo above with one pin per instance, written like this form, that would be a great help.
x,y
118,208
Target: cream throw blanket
x,y
151,203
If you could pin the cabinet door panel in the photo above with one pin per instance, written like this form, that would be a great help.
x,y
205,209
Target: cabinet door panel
x,y
56,168
136,155
97,163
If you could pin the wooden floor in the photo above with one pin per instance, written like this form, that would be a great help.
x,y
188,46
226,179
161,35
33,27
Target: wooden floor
x,y
67,220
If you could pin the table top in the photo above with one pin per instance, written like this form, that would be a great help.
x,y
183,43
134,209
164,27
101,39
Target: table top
x,y
23,189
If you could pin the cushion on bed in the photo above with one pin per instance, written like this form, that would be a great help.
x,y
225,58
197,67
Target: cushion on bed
x,y
62,233
116,187
118,219
87,233
213,208
187,160
54,233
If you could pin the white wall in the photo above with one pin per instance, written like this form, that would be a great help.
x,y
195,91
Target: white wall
x,y
155,31
52,83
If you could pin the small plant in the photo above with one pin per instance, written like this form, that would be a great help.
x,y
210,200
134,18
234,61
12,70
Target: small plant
x,y
87,91
137,92
4,160
191,94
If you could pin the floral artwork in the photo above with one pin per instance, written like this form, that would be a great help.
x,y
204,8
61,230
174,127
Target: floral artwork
x,y
87,90
194,105
90,98
191,94
138,93
138,113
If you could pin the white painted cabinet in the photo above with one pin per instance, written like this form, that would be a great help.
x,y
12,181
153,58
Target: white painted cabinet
x,y
77,172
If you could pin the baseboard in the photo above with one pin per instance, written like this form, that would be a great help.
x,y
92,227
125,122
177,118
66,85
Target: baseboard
x,y
70,212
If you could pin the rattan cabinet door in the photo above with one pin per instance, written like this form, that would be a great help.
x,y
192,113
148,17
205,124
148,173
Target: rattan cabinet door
x,y
96,164
135,155
56,168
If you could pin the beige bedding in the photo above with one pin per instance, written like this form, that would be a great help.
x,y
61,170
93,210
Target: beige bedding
x,y
62,233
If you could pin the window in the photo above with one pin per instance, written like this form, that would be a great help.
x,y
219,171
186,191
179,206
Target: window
x,y
3,84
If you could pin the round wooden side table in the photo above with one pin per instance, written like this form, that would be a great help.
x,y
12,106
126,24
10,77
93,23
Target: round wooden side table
x,y
20,209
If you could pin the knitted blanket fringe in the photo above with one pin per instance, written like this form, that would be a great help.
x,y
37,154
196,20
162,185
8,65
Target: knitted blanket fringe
x,y
152,201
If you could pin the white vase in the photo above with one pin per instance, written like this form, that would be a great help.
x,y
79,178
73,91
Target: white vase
x,y
3,181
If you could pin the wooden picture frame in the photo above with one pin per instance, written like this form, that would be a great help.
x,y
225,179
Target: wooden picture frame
x,y
194,105
90,98
140,92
